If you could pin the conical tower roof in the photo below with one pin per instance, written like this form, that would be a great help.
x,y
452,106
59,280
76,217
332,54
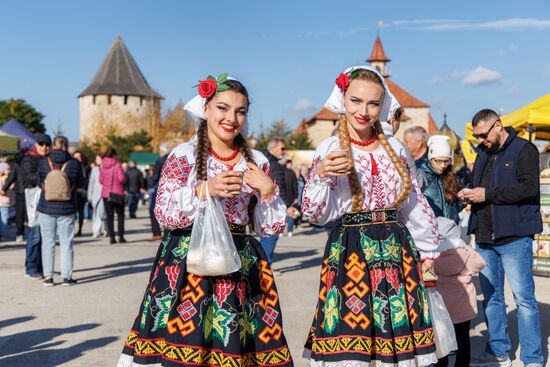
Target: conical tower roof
x,y
454,138
119,75
378,52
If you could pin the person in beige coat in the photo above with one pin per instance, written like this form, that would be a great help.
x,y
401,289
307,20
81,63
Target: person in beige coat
x,y
456,265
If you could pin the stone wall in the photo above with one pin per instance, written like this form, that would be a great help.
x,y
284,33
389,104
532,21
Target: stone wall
x,y
121,115
419,117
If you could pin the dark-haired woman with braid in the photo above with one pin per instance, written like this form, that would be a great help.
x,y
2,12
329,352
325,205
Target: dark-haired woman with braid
x,y
230,320
372,308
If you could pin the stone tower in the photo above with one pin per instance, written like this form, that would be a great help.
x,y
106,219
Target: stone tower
x,y
118,100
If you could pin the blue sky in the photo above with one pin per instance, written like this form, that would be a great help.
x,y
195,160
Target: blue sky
x,y
457,56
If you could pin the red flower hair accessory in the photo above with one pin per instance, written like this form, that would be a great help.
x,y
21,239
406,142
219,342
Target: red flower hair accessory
x,y
211,85
343,82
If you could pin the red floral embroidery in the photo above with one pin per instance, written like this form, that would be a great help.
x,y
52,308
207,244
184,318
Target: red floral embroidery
x,y
172,273
392,276
241,292
376,276
223,288
330,278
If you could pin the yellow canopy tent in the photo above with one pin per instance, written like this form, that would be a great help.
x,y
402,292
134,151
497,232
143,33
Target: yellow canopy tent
x,y
535,115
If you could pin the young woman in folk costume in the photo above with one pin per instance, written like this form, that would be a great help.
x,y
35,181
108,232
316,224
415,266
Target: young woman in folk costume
x,y
232,320
372,308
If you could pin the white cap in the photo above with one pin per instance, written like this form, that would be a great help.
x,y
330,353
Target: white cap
x,y
438,146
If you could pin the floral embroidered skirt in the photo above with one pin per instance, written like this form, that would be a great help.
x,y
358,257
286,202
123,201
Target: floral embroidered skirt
x,y
372,308
188,320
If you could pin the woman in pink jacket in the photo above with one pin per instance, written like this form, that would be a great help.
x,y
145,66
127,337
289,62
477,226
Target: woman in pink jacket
x,y
112,177
454,267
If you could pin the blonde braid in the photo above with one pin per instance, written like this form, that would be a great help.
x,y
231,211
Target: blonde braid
x,y
354,184
398,163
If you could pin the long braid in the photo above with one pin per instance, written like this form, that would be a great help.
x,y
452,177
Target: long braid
x,y
244,149
203,145
398,163
354,184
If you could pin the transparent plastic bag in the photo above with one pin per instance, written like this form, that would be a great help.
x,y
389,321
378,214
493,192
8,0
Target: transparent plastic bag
x,y
211,248
444,331
32,197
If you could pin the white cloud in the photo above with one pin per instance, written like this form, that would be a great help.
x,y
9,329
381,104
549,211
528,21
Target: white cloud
x,y
436,79
482,76
441,25
454,24
304,107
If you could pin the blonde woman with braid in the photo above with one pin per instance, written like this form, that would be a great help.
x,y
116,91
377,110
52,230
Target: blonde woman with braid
x,y
372,308
230,320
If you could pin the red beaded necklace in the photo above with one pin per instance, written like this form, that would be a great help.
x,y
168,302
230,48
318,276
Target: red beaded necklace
x,y
362,143
222,158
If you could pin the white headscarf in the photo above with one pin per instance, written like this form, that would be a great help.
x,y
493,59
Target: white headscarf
x,y
335,101
196,108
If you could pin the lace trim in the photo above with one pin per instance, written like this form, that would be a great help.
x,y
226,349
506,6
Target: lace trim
x,y
128,361
417,361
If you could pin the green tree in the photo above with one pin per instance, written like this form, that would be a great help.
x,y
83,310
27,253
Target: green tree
x,y
125,145
23,112
299,141
279,129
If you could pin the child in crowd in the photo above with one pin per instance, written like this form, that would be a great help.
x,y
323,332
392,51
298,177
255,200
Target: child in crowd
x,y
455,267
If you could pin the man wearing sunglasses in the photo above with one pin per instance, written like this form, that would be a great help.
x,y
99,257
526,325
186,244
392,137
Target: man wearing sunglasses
x,y
505,217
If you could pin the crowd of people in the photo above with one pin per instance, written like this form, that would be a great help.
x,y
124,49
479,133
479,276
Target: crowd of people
x,y
51,192
402,225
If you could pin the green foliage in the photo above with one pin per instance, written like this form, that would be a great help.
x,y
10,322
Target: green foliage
x,y
125,145
23,112
299,141
281,129
89,151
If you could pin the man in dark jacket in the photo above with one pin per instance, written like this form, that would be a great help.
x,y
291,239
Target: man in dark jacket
x,y
275,151
134,186
505,217
58,216
26,178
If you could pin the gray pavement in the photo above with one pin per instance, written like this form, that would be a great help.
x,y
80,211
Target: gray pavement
x,y
85,325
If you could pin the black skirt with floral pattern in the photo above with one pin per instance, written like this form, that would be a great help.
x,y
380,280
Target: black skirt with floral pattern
x,y
188,320
372,308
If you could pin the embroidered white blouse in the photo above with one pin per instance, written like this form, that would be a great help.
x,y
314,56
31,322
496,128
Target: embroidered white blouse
x,y
327,199
177,203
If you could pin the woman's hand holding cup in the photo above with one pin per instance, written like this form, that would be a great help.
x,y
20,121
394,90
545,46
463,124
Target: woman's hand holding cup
x,y
226,184
336,163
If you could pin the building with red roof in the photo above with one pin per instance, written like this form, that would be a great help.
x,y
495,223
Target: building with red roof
x,y
321,125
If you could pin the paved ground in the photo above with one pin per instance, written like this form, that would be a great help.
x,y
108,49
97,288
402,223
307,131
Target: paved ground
x,y
86,325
